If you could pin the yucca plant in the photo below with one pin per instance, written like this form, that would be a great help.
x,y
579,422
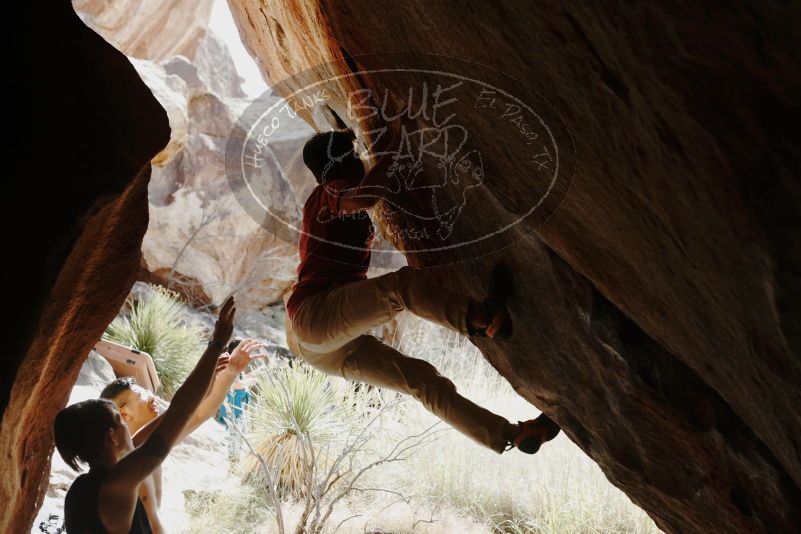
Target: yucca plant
x,y
154,323
294,408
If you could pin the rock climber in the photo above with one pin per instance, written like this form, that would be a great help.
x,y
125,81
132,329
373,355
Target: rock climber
x,y
333,303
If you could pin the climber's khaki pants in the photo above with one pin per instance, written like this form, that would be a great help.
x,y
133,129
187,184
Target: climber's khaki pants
x,y
328,331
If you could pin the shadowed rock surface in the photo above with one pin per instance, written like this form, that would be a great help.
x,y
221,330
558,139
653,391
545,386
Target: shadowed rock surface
x,y
656,312
86,131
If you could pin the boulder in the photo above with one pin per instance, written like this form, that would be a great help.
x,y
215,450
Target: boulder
x,y
95,373
171,92
216,69
656,306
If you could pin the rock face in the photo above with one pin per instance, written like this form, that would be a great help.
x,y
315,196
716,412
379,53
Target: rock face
x,y
200,241
149,29
81,153
657,311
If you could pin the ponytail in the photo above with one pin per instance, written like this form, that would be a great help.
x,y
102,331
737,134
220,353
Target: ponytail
x,y
79,430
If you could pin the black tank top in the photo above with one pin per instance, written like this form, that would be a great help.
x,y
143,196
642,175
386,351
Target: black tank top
x,y
80,507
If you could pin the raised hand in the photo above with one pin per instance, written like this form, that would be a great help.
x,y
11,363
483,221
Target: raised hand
x,y
225,324
248,350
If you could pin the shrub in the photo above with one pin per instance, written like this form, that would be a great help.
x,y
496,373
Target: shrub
x,y
154,324
317,444
290,403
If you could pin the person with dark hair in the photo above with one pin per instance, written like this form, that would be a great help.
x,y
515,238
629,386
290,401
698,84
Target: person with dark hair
x,y
333,303
117,386
136,404
139,407
331,154
105,500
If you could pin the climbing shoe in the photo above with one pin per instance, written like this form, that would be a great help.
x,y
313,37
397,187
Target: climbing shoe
x,y
534,433
500,289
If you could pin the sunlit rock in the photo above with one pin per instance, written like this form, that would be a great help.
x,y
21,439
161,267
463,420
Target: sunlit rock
x,y
149,29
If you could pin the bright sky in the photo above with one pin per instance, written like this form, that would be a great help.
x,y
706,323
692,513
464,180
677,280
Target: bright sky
x,y
222,23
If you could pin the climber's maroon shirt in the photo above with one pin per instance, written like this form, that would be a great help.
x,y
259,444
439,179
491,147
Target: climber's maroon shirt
x,y
334,247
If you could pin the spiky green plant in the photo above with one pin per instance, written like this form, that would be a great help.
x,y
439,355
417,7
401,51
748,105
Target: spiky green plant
x,y
154,323
292,404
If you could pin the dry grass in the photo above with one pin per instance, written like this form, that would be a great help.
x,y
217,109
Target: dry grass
x,y
559,490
